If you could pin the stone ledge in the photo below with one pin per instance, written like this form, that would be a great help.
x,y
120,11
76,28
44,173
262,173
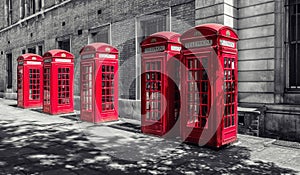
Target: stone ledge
x,y
130,109
11,96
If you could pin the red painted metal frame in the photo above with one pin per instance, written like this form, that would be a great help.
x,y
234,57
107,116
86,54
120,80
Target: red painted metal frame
x,y
217,43
160,52
30,81
58,82
99,92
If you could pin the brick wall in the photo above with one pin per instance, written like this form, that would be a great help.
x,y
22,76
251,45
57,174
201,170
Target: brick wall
x,y
85,15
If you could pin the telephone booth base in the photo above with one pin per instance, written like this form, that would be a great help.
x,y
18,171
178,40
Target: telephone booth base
x,y
152,130
58,112
194,138
98,121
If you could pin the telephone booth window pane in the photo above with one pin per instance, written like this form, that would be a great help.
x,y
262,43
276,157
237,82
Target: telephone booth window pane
x,y
229,90
63,86
20,84
47,85
107,87
204,62
197,92
86,87
34,84
153,91
203,122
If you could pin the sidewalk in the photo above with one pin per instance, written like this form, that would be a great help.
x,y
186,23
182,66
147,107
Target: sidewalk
x,y
37,143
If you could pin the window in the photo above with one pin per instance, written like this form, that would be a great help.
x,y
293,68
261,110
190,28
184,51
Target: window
x,y
40,5
63,86
40,50
8,11
100,34
22,9
100,37
9,70
34,84
294,43
64,43
32,7
29,7
153,91
108,87
47,85
31,50
148,25
36,48
154,25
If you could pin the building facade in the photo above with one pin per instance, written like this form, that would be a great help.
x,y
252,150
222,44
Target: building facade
x,y
269,65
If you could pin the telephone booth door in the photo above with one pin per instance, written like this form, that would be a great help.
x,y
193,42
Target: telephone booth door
x,y
58,82
87,95
29,81
197,90
99,83
153,83
210,84
160,94
47,86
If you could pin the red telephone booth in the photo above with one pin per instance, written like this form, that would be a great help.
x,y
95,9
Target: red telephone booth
x,y
99,83
58,82
160,100
30,81
209,84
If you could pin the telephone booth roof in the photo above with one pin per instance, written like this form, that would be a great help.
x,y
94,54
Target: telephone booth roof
x,y
58,53
211,29
161,37
99,47
30,57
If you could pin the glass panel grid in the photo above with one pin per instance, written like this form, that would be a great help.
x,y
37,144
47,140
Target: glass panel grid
x,y
198,93
229,92
87,87
153,91
34,84
108,87
47,85
63,86
20,84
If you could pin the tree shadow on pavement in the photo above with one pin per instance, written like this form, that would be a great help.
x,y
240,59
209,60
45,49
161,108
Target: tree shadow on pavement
x,y
35,148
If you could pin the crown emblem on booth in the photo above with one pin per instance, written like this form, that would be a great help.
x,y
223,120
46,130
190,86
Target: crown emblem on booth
x,y
227,33
153,40
197,33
